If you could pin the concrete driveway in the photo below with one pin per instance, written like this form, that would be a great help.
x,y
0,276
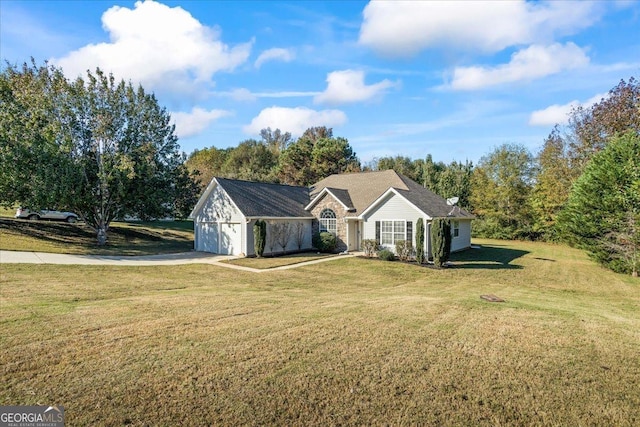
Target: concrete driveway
x,y
15,257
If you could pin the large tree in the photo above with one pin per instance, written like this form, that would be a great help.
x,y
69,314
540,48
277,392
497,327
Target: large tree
x,y
275,140
97,146
251,160
591,128
500,189
207,163
603,211
314,156
553,183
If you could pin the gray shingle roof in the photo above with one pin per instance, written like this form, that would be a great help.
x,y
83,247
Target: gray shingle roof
x,y
357,191
257,199
365,188
342,196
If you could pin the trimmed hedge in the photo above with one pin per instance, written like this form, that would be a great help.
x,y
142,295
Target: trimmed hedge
x,y
324,242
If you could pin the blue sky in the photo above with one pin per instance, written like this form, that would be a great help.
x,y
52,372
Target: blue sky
x,y
450,79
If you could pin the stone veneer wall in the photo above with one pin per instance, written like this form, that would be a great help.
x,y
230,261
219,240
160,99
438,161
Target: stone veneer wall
x,y
328,202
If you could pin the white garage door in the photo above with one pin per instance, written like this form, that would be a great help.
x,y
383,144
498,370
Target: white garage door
x,y
207,237
230,239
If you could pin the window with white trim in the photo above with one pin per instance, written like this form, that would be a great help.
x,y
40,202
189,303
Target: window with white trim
x,y
328,221
392,231
455,229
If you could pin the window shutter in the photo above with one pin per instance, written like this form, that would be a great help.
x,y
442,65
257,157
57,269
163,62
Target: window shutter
x,y
410,232
378,232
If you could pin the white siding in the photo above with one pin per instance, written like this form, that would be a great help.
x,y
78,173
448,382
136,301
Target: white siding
x,y
219,208
293,243
230,238
218,225
463,241
393,208
206,237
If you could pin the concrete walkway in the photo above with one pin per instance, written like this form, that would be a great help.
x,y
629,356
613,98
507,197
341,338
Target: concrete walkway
x,y
15,257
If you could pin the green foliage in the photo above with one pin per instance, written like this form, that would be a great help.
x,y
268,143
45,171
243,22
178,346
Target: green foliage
x,y
314,156
369,247
386,255
603,211
114,149
453,180
259,237
404,250
207,163
324,242
441,240
552,186
592,128
501,186
420,241
251,161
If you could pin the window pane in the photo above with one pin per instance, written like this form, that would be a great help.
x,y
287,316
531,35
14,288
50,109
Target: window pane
x,y
386,237
398,231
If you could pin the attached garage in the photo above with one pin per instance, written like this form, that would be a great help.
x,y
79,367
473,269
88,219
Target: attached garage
x,y
206,237
227,210
230,239
219,238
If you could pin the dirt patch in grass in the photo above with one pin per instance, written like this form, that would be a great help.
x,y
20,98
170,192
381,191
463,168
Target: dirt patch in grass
x,y
359,343
124,238
278,261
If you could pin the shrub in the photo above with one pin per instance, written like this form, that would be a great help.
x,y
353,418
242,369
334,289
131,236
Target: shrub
x,y
420,241
324,242
369,246
441,240
404,250
386,255
259,237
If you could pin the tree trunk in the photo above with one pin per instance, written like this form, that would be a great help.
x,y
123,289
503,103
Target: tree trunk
x,y
102,235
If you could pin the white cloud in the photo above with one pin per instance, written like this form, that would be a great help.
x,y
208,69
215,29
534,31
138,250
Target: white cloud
x,y
559,114
527,64
404,28
276,53
243,94
348,86
294,120
158,46
193,123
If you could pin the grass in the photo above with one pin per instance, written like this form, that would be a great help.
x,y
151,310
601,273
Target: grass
x,y
125,238
352,341
279,261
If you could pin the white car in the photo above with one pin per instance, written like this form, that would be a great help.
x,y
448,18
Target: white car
x,y
25,213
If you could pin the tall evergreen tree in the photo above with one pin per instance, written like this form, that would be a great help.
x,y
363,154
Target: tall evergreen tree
x,y
440,240
420,241
603,211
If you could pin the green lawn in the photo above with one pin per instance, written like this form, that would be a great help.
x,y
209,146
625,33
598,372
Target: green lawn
x,y
350,341
125,238
278,261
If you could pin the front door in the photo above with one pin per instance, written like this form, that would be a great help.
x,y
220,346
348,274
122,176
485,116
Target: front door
x,y
354,230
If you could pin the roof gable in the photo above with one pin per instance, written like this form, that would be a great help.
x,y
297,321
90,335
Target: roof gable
x,y
258,199
367,189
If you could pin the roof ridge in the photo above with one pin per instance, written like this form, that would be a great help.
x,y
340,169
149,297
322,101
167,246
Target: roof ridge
x,y
259,182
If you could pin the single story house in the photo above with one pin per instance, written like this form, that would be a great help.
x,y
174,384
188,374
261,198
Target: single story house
x,y
381,205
